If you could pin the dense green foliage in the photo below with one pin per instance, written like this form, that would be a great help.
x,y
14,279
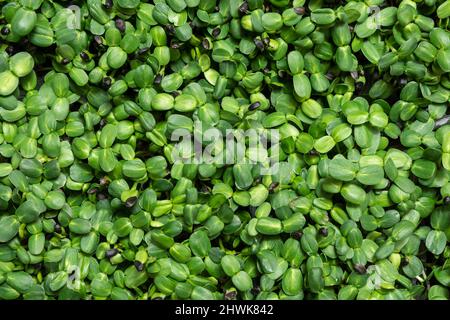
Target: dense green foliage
x,y
93,204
